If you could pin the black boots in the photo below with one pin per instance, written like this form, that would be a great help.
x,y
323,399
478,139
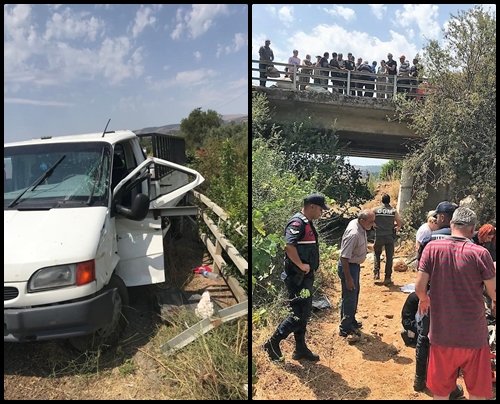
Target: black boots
x,y
419,383
421,357
272,347
420,372
301,349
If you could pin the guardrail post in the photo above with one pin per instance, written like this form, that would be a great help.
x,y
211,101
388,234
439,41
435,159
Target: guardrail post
x,y
218,253
348,82
394,90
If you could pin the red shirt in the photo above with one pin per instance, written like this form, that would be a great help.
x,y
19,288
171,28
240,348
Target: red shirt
x,y
457,269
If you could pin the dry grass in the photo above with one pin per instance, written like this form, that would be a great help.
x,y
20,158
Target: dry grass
x,y
213,367
390,188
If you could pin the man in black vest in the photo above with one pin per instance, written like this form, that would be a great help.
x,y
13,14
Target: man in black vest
x,y
387,223
301,261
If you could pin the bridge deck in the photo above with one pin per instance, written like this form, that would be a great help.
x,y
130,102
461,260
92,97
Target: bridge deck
x,y
366,126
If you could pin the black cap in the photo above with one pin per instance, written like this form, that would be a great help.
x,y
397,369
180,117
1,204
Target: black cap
x,y
445,207
316,199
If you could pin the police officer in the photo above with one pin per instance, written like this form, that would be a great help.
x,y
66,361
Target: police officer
x,y
301,261
387,222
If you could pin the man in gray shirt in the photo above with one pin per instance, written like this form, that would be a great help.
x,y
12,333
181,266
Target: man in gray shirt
x,y
352,253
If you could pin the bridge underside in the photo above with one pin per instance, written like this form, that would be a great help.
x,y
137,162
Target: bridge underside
x,y
363,144
365,126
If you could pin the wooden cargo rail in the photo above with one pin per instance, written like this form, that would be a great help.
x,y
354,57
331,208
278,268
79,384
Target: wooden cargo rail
x,y
222,243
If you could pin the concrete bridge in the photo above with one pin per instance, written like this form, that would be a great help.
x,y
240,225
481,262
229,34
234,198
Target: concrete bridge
x,y
365,126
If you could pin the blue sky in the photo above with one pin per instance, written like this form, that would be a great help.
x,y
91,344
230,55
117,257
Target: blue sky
x,y
68,68
369,31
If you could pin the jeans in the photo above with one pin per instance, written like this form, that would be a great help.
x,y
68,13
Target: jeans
x,y
349,303
386,242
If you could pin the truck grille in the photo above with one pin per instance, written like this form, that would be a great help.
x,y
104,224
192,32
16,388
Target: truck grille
x,y
10,293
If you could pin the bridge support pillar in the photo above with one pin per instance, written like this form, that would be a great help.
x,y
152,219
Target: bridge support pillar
x,y
436,195
405,189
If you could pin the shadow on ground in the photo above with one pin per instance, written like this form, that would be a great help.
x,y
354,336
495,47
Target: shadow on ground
x,y
325,383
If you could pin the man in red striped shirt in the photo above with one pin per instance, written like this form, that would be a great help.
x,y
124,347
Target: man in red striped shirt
x,y
457,269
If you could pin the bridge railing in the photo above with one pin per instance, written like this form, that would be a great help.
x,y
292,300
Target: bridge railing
x,y
329,79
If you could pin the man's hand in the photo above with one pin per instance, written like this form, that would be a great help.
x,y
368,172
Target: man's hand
x,y
349,282
423,305
305,268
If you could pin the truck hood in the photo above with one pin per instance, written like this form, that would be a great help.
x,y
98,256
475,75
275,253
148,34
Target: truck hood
x,y
42,238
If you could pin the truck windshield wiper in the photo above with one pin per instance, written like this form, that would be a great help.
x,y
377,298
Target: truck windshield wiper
x,y
37,182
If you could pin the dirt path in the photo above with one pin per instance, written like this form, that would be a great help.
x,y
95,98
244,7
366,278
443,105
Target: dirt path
x,y
379,367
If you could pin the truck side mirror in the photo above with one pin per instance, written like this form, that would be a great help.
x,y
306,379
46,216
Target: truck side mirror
x,y
139,210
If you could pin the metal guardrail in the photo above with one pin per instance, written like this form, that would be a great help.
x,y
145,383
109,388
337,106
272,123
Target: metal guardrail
x,y
203,326
347,82
221,243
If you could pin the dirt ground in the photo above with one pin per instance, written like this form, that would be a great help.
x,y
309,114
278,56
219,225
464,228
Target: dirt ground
x,y
379,367
51,370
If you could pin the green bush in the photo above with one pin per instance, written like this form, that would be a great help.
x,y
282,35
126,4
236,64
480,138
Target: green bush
x,y
391,170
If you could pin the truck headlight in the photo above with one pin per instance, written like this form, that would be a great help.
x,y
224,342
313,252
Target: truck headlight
x,y
61,276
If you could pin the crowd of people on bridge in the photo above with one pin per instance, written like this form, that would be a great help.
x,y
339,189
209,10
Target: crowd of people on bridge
x,y
362,73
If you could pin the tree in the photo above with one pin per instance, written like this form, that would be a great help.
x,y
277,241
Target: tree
x,y
457,120
310,153
391,170
197,125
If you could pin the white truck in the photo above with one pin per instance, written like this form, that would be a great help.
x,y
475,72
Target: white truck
x,y
84,218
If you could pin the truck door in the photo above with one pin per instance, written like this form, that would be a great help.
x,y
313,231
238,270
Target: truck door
x,y
139,243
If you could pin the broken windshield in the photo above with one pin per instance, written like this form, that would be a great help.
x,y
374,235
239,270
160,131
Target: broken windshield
x,y
80,179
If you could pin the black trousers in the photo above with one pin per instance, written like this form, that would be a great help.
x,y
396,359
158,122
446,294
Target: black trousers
x,y
263,75
386,242
301,307
422,348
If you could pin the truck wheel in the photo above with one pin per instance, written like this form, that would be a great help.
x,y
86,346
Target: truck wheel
x,y
109,335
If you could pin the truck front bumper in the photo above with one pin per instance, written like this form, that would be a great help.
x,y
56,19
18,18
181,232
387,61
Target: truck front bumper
x,y
62,320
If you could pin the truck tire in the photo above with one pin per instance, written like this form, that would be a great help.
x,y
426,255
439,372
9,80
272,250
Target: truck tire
x,y
107,336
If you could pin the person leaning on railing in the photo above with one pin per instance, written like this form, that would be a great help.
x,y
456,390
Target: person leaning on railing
x,y
414,75
381,79
404,71
306,72
323,72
